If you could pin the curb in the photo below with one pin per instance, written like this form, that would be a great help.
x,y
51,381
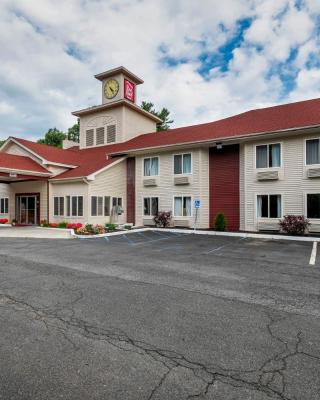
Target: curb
x,y
208,233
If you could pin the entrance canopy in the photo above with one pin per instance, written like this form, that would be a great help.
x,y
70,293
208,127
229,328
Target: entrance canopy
x,y
15,168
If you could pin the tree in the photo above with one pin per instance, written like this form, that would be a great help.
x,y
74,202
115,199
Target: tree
x,y
53,137
1,142
164,115
74,132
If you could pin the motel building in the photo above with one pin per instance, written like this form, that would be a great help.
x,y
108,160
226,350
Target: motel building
x,y
254,167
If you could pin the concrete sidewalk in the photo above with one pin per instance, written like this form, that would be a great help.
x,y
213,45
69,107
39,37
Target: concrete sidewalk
x,y
34,232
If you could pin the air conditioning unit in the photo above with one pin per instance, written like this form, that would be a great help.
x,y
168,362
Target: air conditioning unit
x,y
150,182
181,180
267,175
181,223
313,173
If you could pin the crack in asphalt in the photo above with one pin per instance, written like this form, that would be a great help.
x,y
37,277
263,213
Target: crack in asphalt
x,y
272,368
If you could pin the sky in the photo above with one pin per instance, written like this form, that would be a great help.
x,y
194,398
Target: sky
x,y
202,59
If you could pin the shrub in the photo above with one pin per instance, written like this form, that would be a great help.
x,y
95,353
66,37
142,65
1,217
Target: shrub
x,y
127,227
44,223
98,229
163,219
294,224
62,225
89,228
110,227
4,221
82,231
220,222
53,225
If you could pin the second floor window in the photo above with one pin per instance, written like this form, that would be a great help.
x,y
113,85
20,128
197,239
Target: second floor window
x,y
313,151
182,164
268,155
151,166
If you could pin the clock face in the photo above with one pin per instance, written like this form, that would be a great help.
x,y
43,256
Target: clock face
x,y
111,88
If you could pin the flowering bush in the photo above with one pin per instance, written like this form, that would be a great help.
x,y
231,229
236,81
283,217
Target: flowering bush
x,y
53,225
4,220
74,225
294,224
163,219
90,229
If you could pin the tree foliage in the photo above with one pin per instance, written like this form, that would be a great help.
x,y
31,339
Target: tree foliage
x,y
74,132
53,137
163,114
1,142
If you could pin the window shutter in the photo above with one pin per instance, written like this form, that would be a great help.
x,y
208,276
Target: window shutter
x,y
111,133
89,137
100,136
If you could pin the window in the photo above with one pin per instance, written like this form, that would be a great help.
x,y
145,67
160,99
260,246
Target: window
x,y
151,166
96,206
89,137
182,164
68,206
111,133
107,206
268,156
4,205
313,151
269,206
150,206
58,206
182,206
313,205
116,201
76,206
100,136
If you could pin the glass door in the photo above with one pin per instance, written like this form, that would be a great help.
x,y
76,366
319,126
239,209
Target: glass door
x,y
26,210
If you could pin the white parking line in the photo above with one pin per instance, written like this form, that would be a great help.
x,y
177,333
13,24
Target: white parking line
x,y
313,254
221,247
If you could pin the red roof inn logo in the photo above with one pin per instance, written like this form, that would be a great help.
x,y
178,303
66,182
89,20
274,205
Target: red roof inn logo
x,y
129,90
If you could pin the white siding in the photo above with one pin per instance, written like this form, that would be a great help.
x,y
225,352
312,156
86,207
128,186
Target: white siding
x,y
293,183
166,190
112,182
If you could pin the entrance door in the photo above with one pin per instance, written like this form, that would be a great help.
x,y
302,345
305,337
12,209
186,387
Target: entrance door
x,y
26,210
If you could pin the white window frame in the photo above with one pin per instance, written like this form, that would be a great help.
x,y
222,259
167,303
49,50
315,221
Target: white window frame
x,y
150,197
102,209
305,152
182,196
71,207
306,204
4,205
269,194
59,206
149,158
268,144
183,173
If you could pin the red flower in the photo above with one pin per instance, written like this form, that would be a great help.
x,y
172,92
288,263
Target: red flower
x,y
4,220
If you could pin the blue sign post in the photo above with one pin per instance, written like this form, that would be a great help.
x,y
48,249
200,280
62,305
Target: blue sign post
x,y
197,205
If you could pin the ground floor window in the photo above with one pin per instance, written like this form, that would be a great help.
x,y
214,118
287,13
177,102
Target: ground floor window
x,y
182,206
150,206
58,206
74,206
313,205
97,206
107,206
269,206
4,205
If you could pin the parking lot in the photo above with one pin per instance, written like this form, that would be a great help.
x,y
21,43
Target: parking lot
x,y
158,315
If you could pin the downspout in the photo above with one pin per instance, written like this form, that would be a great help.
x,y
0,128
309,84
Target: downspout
x,y
48,200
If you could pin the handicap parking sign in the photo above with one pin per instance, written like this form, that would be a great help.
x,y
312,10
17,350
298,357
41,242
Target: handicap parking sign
x,y
197,204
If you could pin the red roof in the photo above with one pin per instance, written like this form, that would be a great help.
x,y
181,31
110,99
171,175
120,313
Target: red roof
x,y
50,153
21,163
264,120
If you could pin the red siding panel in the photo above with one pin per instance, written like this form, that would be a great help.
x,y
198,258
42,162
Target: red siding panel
x,y
131,189
224,185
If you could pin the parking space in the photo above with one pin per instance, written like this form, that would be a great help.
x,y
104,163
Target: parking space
x,y
159,315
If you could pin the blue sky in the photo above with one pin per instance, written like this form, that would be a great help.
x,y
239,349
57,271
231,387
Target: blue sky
x,y
202,62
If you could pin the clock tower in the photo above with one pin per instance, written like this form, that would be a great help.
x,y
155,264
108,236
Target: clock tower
x,y
118,84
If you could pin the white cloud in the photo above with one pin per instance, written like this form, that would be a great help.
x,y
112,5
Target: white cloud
x,y
51,50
